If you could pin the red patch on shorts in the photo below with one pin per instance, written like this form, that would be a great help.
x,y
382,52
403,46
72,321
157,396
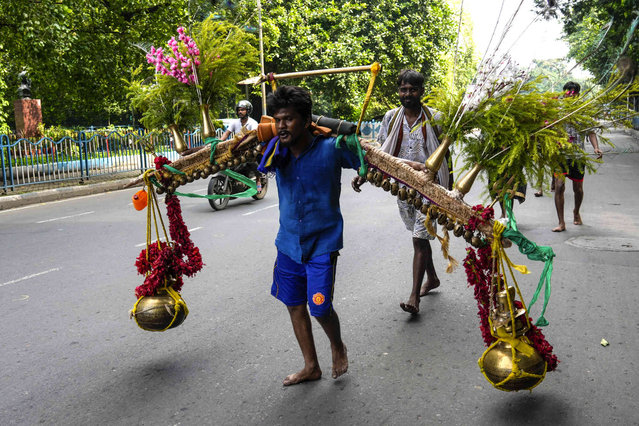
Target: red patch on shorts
x,y
318,298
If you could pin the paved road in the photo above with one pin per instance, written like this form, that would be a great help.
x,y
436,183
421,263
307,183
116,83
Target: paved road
x,y
71,355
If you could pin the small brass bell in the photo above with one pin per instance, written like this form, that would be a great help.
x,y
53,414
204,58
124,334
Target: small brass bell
x,y
410,201
394,188
458,230
411,192
450,225
402,194
475,241
434,213
386,185
442,219
418,202
468,235
235,162
424,208
222,166
243,159
215,168
370,176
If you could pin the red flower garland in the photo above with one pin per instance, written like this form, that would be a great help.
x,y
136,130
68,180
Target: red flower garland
x,y
478,266
168,259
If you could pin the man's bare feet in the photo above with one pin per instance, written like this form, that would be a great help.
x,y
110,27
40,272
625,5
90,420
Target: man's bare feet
x,y
560,228
412,306
428,286
340,361
305,375
577,220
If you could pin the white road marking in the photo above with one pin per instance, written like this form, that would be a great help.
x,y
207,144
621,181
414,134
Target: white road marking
x,y
30,206
65,217
29,276
200,190
162,239
259,210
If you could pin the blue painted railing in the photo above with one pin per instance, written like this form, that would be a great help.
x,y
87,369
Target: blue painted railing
x,y
25,162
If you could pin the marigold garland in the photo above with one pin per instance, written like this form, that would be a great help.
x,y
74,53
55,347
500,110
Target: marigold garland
x,y
478,267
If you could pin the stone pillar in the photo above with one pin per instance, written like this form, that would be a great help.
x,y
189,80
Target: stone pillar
x,y
28,113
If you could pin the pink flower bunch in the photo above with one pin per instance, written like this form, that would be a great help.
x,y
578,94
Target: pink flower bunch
x,y
182,60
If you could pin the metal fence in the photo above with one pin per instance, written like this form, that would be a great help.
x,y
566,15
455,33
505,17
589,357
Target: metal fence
x,y
26,162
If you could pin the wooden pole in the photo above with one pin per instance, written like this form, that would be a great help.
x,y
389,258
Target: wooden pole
x,y
300,74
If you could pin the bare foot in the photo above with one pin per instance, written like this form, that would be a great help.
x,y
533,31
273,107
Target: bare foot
x,y
560,228
577,220
412,306
304,375
428,286
340,362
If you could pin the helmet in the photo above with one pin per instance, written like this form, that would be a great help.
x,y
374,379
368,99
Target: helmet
x,y
244,104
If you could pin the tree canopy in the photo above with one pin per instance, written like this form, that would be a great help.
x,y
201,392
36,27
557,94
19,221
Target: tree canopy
x,y
599,32
78,52
312,34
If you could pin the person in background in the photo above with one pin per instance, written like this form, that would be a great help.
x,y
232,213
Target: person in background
x,y
243,109
575,169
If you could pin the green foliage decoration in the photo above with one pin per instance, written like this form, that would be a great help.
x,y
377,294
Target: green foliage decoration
x,y
522,132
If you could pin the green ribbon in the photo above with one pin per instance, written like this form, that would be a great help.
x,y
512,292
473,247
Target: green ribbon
x,y
173,170
353,145
213,142
533,252
252,187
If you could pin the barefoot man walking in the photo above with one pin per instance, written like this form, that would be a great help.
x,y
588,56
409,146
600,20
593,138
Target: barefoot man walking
x,y
406,133
575,169
308,169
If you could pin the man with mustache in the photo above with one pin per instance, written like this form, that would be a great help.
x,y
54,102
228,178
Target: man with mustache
x,y
406,133
308,169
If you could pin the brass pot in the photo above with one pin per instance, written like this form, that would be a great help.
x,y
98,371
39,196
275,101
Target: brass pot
x,y
208,130
155,313
498,364
178,140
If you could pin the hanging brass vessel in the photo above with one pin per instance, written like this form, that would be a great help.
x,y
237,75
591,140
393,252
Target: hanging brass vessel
x,y
178,140
208,130
155,313
498,364
436,159
465,183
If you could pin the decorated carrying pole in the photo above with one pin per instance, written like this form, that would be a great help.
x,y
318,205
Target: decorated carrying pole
x,y
300,74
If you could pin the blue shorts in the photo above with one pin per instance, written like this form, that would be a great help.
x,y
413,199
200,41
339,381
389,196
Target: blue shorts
x,y
309,282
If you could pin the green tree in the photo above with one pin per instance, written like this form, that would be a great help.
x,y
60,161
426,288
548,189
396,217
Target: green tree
x,y
76,51
311,34
598,32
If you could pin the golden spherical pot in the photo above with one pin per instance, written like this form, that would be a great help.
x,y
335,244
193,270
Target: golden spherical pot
x,y
498,364
155,313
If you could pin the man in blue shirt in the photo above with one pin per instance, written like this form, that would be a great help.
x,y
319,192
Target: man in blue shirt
x,y
308,169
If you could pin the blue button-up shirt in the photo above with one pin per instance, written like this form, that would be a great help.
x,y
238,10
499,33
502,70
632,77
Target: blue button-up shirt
x,y
309,187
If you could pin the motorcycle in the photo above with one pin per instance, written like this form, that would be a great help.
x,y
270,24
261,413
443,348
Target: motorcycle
x,y
222,184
